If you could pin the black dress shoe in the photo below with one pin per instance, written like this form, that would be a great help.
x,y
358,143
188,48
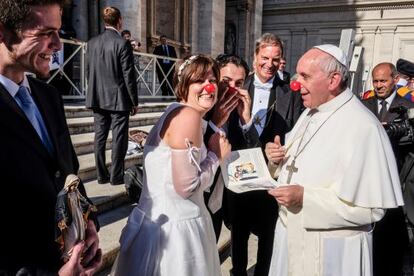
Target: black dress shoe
x,y
103,181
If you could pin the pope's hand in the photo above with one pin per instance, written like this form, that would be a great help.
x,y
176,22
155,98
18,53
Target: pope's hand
x,y
275,152
290,196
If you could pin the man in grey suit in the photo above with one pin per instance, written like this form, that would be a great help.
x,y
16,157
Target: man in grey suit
x,y
112,93
390,238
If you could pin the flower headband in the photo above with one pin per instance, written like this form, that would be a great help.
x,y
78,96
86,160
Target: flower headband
x,y
185,64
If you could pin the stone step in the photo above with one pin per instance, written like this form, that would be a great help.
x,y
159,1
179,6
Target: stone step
x,y
76,111
83,143
85,124
106,196
113,222
87,168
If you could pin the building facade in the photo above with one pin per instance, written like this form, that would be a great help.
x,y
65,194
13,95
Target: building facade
x,y
385,29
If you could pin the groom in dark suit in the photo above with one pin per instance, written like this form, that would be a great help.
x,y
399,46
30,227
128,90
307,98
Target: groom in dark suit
x,y
36,153
165,69
112,93
388,253
274,111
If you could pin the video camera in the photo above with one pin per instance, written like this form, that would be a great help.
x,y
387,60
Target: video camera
x,y
402,128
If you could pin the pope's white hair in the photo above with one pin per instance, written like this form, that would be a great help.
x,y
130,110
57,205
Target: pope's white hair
x,y
329,64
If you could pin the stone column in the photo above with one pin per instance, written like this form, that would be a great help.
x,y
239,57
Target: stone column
x,y
367,38
80,19
386,36
254,26
208,26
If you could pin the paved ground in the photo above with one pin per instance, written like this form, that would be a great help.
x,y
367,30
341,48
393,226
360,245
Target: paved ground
x,y
226,266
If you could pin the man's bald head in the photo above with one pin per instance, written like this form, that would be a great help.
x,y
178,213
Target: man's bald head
x,y
384,79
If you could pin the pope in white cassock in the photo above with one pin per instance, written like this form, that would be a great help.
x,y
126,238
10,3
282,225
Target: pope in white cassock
x,y
337,173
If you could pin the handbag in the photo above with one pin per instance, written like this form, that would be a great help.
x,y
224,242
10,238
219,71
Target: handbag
x,y
133,179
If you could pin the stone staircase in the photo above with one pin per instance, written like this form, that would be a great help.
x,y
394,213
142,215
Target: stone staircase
x,y
112,202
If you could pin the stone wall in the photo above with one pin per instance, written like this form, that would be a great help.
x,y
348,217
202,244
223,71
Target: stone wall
x,y
383,28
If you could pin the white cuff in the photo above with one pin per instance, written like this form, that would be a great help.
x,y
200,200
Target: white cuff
x,y
245,128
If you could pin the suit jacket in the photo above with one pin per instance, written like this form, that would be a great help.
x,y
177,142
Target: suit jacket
x,y
286,77
372,104
159,50
393,222
284,109
111,74
30,181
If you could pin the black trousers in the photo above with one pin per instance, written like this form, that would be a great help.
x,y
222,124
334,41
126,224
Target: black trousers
x,y
390,243
165,88
118,121
251,212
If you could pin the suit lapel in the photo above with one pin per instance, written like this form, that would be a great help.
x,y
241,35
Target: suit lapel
x,y
13,116
398,101
277,99
283,98
372,105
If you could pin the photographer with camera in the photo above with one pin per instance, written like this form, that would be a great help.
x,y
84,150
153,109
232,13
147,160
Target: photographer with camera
x,y
390,239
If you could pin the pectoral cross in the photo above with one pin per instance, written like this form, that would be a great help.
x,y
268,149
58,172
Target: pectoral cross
x,y
292,169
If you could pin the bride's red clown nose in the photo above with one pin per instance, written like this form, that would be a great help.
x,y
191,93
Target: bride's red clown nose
x,y
210,88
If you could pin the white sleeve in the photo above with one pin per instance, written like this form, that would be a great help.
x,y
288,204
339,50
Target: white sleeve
x,y
323,209
189,174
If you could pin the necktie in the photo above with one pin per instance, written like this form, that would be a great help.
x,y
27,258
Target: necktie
x,y
166,50
26,103
383,110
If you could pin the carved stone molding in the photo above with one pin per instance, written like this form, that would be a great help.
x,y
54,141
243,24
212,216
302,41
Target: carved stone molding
x,y
296,8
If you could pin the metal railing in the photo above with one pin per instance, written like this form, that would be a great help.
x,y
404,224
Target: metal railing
x,y
149,85
70,77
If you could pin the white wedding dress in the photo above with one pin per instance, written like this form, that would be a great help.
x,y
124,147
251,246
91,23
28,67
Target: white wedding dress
x,y
168,234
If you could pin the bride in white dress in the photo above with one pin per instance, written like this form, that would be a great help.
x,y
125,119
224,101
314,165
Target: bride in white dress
x,y
170,231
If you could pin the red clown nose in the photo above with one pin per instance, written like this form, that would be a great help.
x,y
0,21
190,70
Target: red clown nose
x,y
295,86
210,88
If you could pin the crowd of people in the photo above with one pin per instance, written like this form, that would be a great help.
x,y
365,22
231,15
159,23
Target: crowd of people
x,y
338,206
